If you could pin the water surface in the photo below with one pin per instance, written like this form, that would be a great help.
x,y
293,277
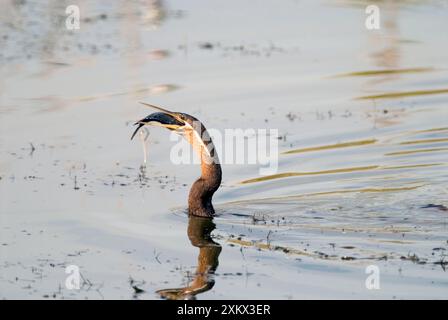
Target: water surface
x,y
363,141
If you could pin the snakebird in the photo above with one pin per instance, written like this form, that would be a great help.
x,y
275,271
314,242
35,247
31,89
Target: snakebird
x,y
202,190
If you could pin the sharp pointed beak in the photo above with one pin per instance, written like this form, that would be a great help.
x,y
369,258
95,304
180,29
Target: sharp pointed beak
x,y
162,119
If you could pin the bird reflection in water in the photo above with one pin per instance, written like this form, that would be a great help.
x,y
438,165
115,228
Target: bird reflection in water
x,y
199,233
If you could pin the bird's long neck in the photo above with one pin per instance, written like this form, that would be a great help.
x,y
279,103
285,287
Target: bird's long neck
x,y
202,190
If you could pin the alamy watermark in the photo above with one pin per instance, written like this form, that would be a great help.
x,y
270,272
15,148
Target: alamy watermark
x,y
73,280
72,22
373,278
232,146
373,19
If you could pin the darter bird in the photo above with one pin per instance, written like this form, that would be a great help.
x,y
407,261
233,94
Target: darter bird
x,y
202,190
